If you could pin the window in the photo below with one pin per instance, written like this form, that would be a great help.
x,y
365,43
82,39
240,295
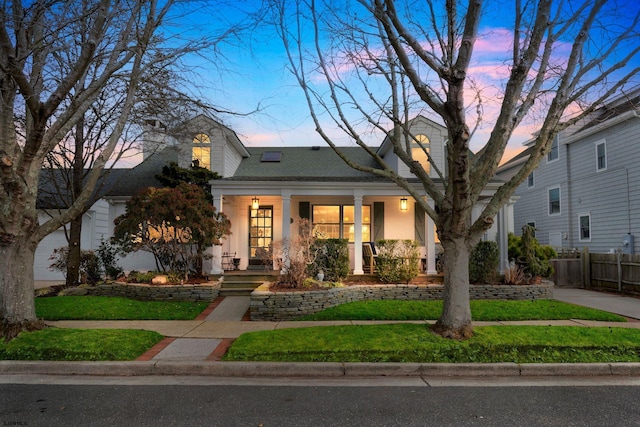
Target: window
x,y
553,154
584,222
337,221
554,201
201,152
601,156
419,150
530,180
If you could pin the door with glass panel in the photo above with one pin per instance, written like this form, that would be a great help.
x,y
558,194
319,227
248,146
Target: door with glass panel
x,y
260,233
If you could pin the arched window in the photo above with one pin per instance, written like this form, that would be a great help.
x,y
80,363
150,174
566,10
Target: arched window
x,y
419,146
201,152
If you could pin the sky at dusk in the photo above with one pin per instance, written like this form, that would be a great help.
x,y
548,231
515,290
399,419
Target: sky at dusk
x,y
256,77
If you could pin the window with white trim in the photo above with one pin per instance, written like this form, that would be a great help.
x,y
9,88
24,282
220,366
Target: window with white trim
x,y
201,151
337,221
553,153
601,156
420,151
553,196
530,180
584,223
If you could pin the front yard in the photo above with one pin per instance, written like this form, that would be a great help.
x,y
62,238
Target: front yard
x,y
358,343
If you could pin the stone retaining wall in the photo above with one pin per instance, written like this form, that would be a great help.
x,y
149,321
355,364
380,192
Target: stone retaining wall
x,y
267,305
201,292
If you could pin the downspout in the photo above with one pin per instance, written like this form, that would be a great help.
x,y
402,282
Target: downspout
x,y
626,171
569,198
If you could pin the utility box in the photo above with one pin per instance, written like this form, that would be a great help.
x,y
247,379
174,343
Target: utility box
x,y
627,244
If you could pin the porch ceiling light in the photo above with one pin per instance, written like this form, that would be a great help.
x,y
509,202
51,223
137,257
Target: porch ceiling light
x,y
403,204
255,203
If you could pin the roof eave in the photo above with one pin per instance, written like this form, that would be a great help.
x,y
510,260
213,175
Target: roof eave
x,y
600,127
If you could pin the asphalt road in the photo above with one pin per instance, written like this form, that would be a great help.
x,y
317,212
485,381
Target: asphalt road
x,y
189,401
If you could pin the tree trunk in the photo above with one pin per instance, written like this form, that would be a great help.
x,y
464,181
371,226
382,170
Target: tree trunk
x,y
75,232
17,306
73,255
455,321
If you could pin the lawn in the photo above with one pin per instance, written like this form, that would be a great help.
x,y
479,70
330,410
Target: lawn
x,y
79,344
415,343
115,308
481,310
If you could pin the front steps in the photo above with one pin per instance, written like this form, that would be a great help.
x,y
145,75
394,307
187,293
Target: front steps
x,y
242,283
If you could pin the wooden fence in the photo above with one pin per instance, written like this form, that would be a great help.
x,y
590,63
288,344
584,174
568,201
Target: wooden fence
x,y
612,272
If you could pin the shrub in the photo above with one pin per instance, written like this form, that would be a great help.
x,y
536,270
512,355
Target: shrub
x,y
332,257
141,277
108,256
514,275
533,258
483,262
397,261
90,269
294,255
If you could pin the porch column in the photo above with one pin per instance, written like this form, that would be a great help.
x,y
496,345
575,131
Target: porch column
x,y
503,239
357,233
216,250
286,222
431,243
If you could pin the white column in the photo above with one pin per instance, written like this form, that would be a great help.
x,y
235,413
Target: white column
x,y
357,232
216,250
286,222
431,243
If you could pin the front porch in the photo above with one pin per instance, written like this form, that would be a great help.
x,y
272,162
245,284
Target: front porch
x,y
258,221
263,213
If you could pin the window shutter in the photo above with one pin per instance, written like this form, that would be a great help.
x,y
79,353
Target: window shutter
x,y
304,210
419,222
378,221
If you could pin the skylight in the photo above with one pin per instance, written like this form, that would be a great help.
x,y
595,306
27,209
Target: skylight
x,y
271,156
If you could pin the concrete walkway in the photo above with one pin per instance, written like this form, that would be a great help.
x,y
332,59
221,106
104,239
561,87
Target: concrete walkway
x,y
613,303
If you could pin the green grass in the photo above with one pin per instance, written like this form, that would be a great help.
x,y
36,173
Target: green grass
x,y
481,310
114,308
79,344
415,343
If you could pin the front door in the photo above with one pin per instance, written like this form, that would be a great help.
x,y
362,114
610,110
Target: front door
x,y
260,233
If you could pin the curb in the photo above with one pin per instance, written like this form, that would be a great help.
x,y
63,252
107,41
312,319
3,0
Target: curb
x,y
318,370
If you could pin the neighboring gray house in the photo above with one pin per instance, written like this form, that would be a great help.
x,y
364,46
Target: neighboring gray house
x,y
586,192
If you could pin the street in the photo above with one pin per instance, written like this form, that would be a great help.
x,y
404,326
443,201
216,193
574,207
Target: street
x,y
192,401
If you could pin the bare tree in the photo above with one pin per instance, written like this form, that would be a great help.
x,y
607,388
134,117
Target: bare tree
x,y
66,167
372,65
44,94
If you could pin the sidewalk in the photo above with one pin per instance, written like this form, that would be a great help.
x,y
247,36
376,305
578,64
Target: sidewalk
x,y
195,347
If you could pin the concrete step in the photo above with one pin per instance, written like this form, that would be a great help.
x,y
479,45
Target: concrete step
x,y
242,284
247,277
235,292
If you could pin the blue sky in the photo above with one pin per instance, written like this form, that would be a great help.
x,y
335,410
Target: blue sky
x,y
256,76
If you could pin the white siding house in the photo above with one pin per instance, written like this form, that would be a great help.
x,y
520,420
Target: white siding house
x,y
263,190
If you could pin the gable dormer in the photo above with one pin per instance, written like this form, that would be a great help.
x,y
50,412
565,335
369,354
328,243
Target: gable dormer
x,y
427,137
213,145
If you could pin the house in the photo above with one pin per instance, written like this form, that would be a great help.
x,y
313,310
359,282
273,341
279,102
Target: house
x,y
585,192
263,190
